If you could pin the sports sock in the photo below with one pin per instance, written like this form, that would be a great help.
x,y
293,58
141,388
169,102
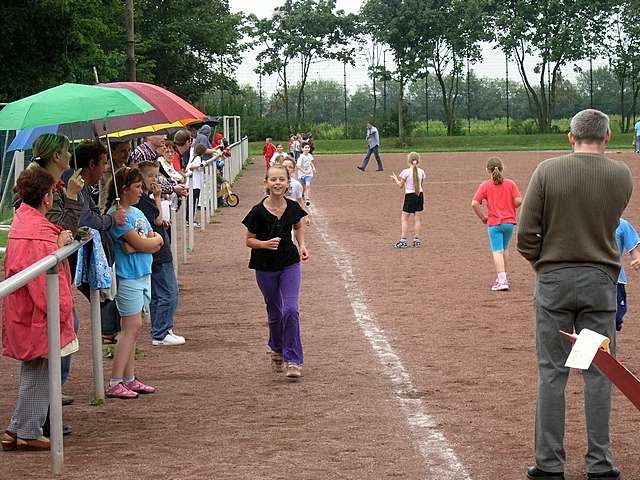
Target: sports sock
x,y
114,381
129,378
502,277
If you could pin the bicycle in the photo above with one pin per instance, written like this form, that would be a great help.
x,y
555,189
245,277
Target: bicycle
x,y
225,193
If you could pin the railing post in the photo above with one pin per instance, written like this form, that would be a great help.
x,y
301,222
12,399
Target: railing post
x,y
174,238
190,211
183,232
55,387
204,198
96,344
214,196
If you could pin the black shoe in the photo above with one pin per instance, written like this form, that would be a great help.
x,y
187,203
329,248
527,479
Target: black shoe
x,y
613,474
360,168
67,400
66,430
380,170
534,473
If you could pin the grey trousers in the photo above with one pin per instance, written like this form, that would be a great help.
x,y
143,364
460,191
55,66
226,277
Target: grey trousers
x,y
568,299
33,399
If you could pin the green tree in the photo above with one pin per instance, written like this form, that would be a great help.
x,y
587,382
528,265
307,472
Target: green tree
x,y
623,42
194,45
306,30
556,33
399,24
275,36
48,42
457,27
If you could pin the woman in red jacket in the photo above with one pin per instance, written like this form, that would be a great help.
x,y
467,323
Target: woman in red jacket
x,y
24,312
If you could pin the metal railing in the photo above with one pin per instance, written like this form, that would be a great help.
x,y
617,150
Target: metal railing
x,y
182,242
49,264
182,237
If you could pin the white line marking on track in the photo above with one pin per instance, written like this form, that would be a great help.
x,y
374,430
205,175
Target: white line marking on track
x,y
440,459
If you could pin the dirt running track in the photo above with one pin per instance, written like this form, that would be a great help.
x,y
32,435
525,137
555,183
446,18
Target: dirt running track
x,y
463,375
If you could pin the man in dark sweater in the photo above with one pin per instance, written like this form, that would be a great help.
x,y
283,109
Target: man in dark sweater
x,y
567,231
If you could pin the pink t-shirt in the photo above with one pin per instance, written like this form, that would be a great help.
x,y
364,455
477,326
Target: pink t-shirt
x,y
500,207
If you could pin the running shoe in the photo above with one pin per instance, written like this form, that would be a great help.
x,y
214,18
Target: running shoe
x,y
120,391
277,363
137,386
401,244
294,371
499,286
416,243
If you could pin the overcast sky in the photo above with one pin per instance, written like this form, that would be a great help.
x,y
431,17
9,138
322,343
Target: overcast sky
x,y
492,64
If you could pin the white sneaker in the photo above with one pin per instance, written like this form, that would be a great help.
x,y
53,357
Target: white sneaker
x,y
179,337
168,340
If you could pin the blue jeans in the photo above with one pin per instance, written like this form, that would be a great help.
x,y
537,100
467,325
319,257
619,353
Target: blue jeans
x,y
281,291
373,150
164,299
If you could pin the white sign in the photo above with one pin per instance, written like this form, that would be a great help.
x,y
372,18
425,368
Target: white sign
x,y
585,349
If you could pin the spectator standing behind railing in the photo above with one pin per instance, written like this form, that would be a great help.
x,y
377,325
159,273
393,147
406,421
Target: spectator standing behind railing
x,y
24,312
120,152
51,152
134,243
164,285
91,158
150,150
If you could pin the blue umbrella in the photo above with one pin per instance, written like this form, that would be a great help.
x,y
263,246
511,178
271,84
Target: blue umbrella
x,y
25,138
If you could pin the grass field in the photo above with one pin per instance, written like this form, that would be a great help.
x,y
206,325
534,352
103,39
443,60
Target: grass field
x,y
552,141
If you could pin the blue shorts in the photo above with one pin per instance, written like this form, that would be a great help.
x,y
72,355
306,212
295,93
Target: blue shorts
x,y
500,236
306,179
134,295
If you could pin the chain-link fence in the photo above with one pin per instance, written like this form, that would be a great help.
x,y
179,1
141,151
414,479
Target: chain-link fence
x,y
486,98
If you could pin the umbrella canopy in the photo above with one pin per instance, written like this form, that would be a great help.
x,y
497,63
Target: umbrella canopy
x,y
168,107
24,138
157,129
70,103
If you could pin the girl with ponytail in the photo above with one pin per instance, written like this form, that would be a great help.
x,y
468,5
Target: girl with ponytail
x,y
502,198
411,180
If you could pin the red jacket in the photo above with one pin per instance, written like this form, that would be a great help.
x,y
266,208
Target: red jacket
x,y
268,150
24,312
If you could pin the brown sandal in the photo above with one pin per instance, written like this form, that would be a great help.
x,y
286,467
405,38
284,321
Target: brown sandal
x,y
9,441
33,444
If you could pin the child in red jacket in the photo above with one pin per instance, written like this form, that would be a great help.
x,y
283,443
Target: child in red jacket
x,y
267,151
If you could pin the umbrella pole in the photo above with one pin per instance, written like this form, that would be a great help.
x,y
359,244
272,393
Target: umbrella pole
x,y
73,148
113,169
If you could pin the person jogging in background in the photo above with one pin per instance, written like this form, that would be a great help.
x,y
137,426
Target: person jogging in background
x,y
502,198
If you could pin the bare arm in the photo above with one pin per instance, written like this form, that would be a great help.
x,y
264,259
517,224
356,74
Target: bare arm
x,y
635,258
477,209
253,243
517,201
298,231
143,244
399,181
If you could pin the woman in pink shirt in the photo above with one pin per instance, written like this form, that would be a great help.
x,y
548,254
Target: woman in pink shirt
x,y
502,198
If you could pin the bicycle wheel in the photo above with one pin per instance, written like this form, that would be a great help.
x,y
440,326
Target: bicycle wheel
x,y
232,199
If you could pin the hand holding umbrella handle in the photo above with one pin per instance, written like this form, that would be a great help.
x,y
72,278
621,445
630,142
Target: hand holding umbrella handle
x,y
75,185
